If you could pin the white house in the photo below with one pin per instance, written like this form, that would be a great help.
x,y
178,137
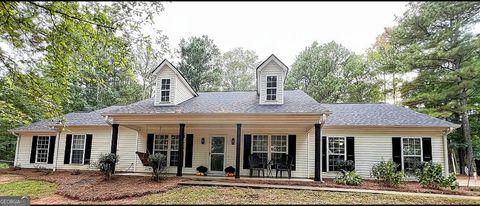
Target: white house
x,y
221,129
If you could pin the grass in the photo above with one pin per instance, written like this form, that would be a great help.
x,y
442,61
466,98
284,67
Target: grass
x,y
234,195
31,188
4,166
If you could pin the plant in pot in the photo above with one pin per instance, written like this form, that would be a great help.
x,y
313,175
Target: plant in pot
x,y
201,171
230,171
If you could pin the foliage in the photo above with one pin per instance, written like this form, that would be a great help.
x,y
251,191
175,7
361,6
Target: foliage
x,y
42,169
347,165
443,50
158,162
387,173
229,169
202,169
348,178
31,188
106,164
239,68
200,63
431,175
4,166
331,73
76,172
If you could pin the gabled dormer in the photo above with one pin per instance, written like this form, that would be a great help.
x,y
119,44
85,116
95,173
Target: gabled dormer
x,y
171,88
271,76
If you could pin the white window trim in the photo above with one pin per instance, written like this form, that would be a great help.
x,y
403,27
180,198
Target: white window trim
x,y
269,145
169,146
328,151
163,90
266,88
84,146
403,156
48,150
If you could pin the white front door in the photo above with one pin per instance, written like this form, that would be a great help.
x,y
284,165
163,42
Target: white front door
x,y
217,154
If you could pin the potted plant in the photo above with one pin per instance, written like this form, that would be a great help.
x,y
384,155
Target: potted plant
x,y
201,171
230,171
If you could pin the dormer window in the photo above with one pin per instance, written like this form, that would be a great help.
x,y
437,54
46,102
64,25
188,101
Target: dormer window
x,y
271,88
165,91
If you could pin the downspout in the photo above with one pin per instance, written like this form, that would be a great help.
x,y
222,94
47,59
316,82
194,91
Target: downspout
x,y
15,161
445,150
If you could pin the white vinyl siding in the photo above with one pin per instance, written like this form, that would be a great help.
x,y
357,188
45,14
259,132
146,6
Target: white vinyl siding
x,y
271,69
165,73
182,92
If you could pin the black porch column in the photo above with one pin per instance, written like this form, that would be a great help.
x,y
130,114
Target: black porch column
x,y
180,149
237,147
318,153
113,148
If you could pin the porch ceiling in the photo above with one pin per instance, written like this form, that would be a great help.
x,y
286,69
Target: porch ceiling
x,y
245,127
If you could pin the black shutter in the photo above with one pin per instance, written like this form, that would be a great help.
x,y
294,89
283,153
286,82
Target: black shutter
x,y
33,152
51,150
189,151
351,148
292,148
68,147
427,148
88,149
247,150
150,139
397,152
324,154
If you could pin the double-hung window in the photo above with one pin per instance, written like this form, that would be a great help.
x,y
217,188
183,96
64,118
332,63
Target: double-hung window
x,y
174,150
43,143
260,146
161,145
278,147
271,88
336,152
412,154
78,149
165,90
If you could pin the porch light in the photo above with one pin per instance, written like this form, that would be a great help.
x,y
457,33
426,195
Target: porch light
x,y
203,140
233,141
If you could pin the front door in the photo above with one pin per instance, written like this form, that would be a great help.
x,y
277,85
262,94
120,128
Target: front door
x,y
217,154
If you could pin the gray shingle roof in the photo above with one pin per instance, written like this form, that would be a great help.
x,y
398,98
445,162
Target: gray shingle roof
x,y
93,118
380,115
295,101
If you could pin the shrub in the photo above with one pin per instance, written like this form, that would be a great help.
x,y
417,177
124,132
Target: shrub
x,y
202,169
230,169
106,164
387,173
430,175
348,178
158,162
42,169
4,166
76,172
347,166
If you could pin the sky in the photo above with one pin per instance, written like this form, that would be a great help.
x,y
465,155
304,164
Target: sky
x,y
280,28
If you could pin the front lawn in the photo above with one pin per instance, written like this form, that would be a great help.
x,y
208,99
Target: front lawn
x,y
31,188
235,195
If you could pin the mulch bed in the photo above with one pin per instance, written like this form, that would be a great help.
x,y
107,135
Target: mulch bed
x,y
92,186
368,185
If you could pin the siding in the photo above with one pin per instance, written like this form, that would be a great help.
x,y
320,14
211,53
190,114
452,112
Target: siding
x,y
24,149
165,73
126,148
272,68
182,92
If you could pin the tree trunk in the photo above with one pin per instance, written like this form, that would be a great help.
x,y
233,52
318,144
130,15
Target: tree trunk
x,y
467,132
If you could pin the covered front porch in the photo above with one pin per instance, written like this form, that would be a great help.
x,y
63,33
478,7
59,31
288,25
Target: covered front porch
x,y
220,141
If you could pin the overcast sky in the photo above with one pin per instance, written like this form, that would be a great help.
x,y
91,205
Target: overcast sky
x,y
281,28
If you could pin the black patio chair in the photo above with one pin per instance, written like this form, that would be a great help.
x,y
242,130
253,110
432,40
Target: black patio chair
x,y
285,164
256,163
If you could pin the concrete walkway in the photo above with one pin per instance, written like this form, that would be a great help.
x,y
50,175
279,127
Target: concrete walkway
x,y
330,189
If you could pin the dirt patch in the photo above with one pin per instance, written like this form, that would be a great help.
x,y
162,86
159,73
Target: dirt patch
x,y
61,200
6,178
92,186
369,185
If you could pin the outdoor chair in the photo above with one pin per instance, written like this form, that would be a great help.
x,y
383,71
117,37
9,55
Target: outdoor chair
x,y
285,164
257,164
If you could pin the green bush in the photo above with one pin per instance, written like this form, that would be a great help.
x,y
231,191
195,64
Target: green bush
x,y
106,164
348,178
431,175
387,173
75,172
158,162
4,166
347,166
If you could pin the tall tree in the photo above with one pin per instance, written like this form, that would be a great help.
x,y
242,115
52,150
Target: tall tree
x,y
331,73
238,67
200,63
435,40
